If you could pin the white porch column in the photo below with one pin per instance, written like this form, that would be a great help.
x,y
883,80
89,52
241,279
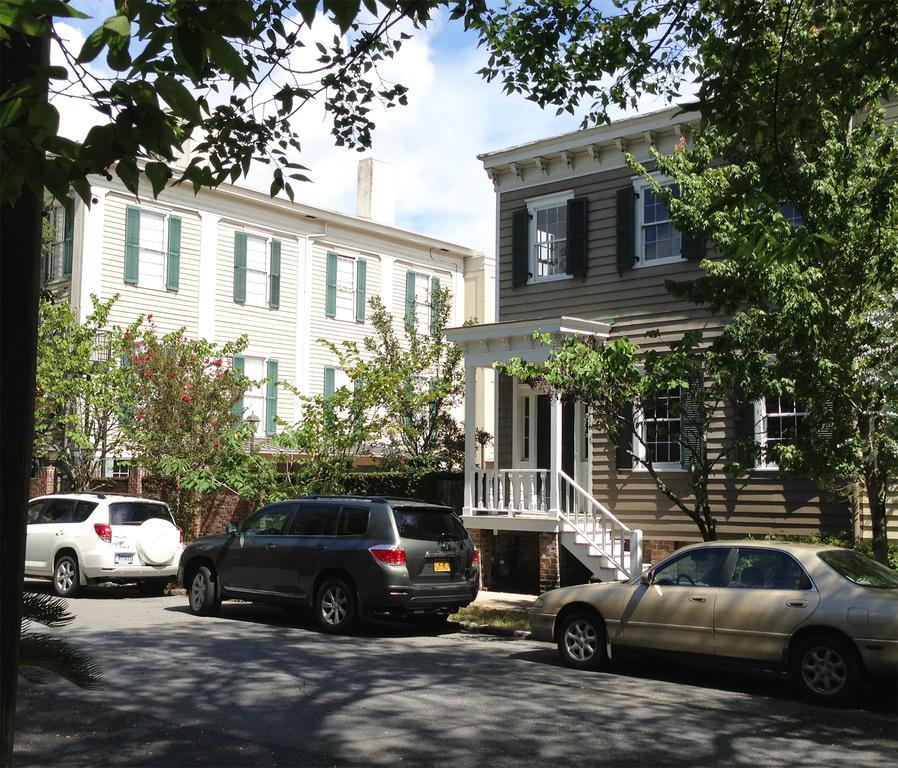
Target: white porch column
x,y
470,444
555,454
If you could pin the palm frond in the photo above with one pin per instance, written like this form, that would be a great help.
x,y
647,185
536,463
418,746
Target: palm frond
x,y
45,609
52,654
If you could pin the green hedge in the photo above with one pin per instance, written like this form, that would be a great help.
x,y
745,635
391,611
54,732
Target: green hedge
x,y
841,539
428,486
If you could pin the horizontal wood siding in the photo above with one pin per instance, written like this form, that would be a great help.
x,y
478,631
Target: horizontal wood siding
x,y
636,302
271,332
170,310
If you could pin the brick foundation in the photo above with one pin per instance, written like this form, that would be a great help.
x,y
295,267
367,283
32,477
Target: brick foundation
x,y
655,550
44,483
549,562
227,507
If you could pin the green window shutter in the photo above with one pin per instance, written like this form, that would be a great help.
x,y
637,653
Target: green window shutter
x,y
271,398
520,247
330,286
409,300
744,425
240,267
626,228
274,278
239,367
69,237
361,269
173,270
434,306
329,381
132,245
692,422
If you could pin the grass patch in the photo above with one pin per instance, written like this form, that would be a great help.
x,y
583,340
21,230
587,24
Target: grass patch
x,y
503,618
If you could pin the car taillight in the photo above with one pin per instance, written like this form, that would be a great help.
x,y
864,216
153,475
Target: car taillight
x,y
180,534
104,531
388,555
476,559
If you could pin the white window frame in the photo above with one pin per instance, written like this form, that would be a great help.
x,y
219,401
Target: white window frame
x,y
639,447
341,379
524,393
640,186
422,319
141,260
760,409
534,205
340,313
266,238
257,393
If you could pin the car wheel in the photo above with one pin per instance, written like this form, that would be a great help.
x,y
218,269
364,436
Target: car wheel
x,y
154,588
335,606
202,593
581,641
65,576
826,669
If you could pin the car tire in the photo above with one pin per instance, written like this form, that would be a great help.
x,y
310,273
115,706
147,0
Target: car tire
x,y
202,592
152,588
335,606
581,641
826,669
66,576
434,621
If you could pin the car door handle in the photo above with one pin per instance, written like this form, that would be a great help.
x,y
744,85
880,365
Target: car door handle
x,y
796,603
697,599
271,546
320,547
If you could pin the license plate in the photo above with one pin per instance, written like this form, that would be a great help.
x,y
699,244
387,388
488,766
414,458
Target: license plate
x,y
441,566
124,559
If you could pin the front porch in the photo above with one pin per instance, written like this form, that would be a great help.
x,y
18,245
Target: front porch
x,y
543,486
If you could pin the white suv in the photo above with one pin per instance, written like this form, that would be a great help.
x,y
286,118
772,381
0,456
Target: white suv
x,y
79,538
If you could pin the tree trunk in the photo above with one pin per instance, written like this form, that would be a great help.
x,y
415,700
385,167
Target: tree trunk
x,y
20,236
876,498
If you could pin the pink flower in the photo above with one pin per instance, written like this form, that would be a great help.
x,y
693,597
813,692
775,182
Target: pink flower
x,y
186,398
150,317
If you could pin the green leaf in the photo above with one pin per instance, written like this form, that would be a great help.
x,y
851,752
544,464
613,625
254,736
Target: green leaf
x,y
159,175
92,46
181,100
118,25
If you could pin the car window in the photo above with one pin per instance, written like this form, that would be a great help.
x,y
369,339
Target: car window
x,y
428,524
315,520
136,512
767,569
353,521
699,568
83,510
860,569
35,511
267,522
57,511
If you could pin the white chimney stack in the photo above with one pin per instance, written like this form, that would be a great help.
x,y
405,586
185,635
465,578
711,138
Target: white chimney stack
x,y
376,191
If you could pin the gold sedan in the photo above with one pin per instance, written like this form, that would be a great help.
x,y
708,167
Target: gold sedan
x,y
828,616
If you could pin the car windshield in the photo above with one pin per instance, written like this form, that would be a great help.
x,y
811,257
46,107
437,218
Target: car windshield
x,y
860,569
428,524
136,512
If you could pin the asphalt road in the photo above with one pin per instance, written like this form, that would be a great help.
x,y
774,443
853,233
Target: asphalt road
x,y
260,686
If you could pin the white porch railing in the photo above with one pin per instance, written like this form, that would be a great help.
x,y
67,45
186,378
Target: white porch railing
x,y
511,491
600,529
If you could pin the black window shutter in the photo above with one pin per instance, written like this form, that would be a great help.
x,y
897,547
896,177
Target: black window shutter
x,y
624,442
576,235
692,422
520,231
626,226
744,429
693,248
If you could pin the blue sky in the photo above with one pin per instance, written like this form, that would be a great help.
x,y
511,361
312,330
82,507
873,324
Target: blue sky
x,y
432,143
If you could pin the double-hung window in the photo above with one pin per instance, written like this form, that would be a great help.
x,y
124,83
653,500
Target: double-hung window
x,y
548,237
260,399
658,422
345,287
420,310
658,240
152,249
58,254
257,270
779,420
791,214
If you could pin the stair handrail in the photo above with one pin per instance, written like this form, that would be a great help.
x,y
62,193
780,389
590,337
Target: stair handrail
x,y
605,516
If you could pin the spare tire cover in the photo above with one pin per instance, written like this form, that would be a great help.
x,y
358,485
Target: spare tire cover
x,y
157,541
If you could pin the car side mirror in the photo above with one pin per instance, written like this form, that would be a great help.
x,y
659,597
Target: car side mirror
x,y
645,578
231,529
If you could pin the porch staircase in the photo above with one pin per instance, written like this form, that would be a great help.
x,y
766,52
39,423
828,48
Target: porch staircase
x,y
590,532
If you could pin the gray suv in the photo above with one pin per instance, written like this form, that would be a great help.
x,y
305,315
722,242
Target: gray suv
x,y
342,556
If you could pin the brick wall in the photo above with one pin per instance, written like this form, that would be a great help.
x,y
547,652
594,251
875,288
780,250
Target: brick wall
x,y
655,550
43,483
549,561
226,507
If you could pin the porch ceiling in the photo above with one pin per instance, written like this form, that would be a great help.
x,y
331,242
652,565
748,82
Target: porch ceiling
x,y
484,345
